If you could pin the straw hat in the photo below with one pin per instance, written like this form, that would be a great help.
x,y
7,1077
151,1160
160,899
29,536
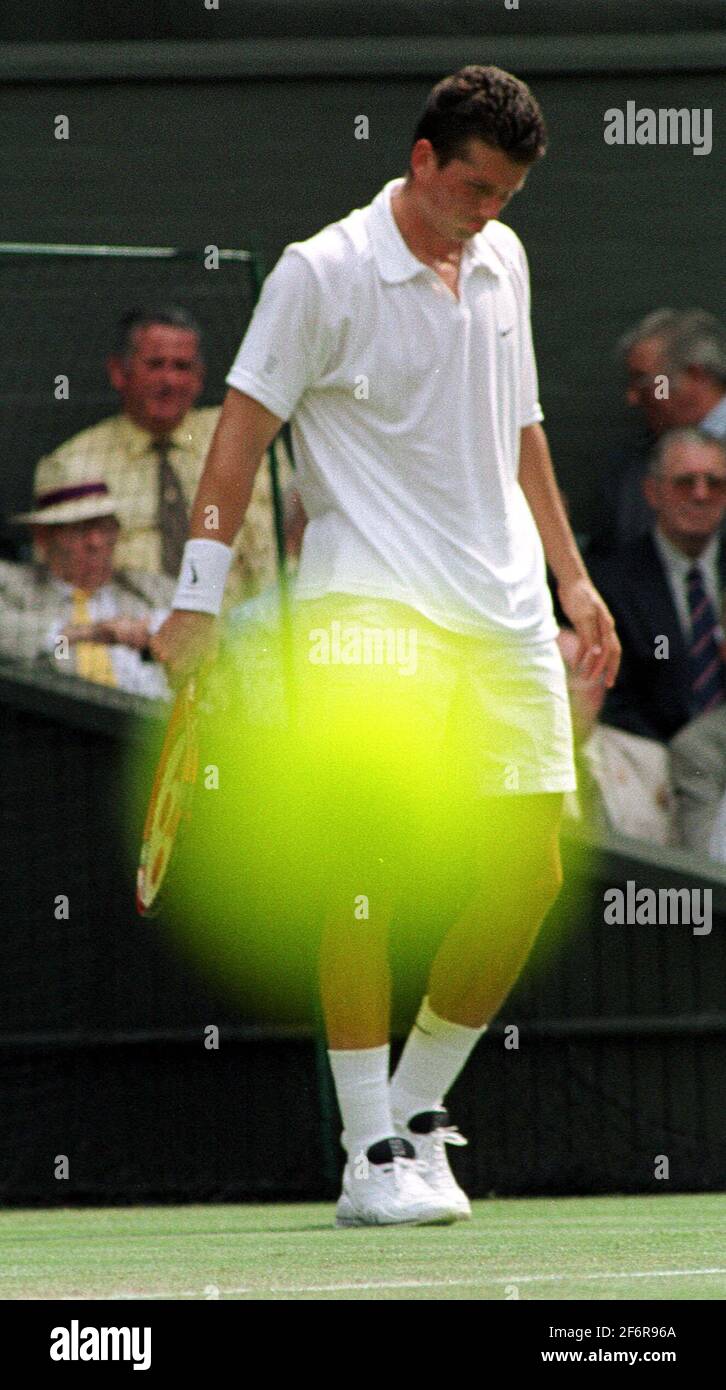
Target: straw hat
x,y
69,500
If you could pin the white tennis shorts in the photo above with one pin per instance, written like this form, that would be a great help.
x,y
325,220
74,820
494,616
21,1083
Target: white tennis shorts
x,y
500,711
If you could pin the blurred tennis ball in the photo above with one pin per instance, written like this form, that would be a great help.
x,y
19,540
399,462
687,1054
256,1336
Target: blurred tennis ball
x,y
301,815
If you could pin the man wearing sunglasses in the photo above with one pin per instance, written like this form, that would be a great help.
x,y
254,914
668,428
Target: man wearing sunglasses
x,y
687,350
666,592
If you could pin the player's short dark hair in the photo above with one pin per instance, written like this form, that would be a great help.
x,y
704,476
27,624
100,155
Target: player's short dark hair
x,y
487,104
171,315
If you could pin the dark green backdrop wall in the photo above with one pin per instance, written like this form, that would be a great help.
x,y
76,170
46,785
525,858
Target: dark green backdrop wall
x,y
254,144
103,1016
237,128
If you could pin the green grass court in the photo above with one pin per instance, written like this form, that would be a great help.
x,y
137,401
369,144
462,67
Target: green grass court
x,y
659,1247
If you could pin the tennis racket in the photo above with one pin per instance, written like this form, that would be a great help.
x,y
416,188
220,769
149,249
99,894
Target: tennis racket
x,y
171,798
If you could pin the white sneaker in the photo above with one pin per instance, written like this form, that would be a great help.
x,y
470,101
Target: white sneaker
x,y
383,1187
430,1132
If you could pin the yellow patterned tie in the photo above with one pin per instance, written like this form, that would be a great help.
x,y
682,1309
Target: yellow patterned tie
x,y
93,659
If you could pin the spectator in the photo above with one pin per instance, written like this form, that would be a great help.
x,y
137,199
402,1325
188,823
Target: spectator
x,y
698,762
665,592
676,377
151,455
623,780
71,608
695,361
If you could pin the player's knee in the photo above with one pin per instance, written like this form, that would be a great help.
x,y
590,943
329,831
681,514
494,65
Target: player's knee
x,y
544,864
552,881
543,883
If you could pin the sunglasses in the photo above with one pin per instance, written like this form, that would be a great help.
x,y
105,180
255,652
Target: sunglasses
x,y
686,483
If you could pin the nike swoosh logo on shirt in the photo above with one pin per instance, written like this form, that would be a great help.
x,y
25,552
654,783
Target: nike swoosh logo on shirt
x,y
195,577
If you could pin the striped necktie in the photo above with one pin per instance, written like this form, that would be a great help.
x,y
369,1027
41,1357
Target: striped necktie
x,y
93,659
172,514
704,652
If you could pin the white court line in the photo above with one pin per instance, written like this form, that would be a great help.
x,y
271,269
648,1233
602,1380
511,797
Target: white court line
x,y
413,1284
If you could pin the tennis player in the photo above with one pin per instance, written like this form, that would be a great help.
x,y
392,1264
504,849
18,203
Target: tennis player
x,y
397,342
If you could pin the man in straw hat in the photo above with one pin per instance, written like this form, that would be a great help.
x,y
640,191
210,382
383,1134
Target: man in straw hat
x,y
70,607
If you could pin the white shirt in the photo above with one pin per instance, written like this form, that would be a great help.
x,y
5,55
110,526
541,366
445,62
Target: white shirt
x,y
406,407
677,565
132,674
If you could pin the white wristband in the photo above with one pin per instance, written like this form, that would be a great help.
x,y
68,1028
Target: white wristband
x,y
203,575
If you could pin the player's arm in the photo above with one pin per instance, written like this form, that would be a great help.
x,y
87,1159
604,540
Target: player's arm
x,y
244,431
599,651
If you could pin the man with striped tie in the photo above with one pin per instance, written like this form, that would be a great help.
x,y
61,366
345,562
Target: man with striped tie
x,y
666,592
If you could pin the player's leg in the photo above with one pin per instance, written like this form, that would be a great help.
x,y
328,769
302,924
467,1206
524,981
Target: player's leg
x,y
355,988
510,730
381,1181
350,727
521,875
475,969
355,976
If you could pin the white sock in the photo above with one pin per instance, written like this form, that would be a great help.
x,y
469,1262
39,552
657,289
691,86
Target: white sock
x,y
435,1053
361,1084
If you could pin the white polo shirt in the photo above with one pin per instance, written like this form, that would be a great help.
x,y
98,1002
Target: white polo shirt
x,y
406,407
